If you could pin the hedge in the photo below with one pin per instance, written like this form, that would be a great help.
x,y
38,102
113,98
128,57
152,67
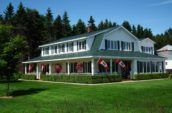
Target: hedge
x,y
82,78
27,76
151,76
76,78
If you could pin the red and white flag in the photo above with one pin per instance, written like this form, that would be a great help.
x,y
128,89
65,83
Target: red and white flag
x,y
30,68
120,62
103,63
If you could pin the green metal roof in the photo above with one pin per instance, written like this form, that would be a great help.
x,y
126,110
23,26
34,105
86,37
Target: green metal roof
x,y
82,35
99,53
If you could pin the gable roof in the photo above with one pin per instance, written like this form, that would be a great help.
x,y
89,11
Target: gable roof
x,y
166,48
142,39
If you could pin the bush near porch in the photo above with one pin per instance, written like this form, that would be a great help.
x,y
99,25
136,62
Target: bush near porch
x,y
82,78
76,78
151,76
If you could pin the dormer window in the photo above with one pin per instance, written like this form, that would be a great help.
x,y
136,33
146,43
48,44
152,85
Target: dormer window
x,y
81,45
45,50
70,47
61,48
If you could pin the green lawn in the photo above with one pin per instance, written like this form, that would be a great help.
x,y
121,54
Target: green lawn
x,y
139,97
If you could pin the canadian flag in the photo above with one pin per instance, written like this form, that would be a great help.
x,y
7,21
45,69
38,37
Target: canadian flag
x,y
103,63
120,62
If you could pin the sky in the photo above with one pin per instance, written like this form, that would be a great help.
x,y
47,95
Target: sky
x,y
154,14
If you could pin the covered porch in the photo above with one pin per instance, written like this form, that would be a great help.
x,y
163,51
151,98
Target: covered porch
x,y
91,67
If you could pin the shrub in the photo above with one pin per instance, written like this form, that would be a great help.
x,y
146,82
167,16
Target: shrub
x,y
151,76
27,76
82,78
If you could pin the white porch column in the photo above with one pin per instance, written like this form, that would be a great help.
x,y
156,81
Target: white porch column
x,y
110,66
164,70
134,68
37,71
68,68
25,68
50,71
92,67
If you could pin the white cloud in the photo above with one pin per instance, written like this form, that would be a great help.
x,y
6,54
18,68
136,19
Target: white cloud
x,y
164,2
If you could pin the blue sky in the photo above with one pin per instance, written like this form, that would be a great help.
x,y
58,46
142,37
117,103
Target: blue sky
x,y
154,14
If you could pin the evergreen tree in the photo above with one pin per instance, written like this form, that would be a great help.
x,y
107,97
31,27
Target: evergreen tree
x,y
91,22
9,14
58,26
66,30
139,31
49,25
127,25
35,32
74,30
134,31
114,24
1,19
101,25
20,20
80,27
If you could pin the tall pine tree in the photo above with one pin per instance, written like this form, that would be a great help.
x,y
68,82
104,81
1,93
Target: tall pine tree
x,y
127,25
91,23
9,14
58,26
80,27
49,25
66,30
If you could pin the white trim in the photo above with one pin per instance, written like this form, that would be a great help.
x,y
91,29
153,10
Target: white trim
x,y
57,59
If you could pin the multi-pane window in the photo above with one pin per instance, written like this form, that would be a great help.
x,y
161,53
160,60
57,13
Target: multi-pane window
x,y
111,45
45,50
149,67
61,48
70,47
147,49
81,45
126,46
54,49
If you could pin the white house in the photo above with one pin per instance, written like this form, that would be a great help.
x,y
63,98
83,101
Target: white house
x,y
80,53
166,52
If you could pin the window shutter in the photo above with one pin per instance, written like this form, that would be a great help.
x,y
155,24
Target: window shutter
x,y
118,45
132,46
105,44
122,45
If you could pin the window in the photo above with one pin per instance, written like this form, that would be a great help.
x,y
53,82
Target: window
x,y
70,47
126,46
111,45
81,45
147,49
45,50
61,48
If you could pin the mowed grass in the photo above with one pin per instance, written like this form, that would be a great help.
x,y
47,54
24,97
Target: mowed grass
x,y
139,97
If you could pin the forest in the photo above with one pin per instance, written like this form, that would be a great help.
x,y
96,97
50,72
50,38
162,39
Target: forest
x,y
36,29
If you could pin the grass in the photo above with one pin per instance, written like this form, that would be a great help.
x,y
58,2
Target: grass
x,y
139,97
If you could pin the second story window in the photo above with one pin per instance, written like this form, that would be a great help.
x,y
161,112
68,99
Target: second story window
x,y
81,45
45,50
147,49
61,48
54,49
70,47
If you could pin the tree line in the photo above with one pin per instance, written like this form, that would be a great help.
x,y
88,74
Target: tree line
x,y
38,29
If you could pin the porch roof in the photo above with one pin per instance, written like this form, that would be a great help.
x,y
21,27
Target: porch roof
x,y
96,54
